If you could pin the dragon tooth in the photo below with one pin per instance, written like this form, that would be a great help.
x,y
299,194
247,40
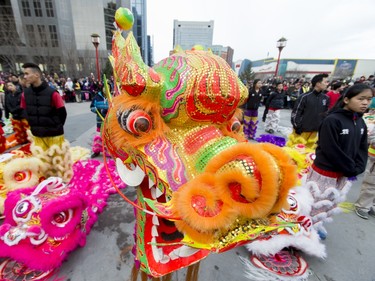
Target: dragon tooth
x,y
154,231
155,220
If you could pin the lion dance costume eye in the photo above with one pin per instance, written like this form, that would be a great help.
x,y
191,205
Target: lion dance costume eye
x,y
135,121
44,221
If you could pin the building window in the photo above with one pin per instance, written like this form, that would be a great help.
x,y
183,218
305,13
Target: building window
x,y
53,35
26,8
38,8
42,36
49,9
31,35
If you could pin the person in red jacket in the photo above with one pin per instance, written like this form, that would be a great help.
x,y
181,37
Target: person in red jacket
x,y
46,114
335,93
2,139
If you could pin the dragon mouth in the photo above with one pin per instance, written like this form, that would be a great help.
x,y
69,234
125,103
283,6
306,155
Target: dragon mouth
x,y
161,254
161,240
216,210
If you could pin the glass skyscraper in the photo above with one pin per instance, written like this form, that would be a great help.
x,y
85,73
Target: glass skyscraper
x,y
57,34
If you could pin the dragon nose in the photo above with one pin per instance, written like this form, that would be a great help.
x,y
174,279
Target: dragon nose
x,y
260,174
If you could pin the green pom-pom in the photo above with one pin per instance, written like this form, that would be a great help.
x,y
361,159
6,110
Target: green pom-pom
x,y
124,18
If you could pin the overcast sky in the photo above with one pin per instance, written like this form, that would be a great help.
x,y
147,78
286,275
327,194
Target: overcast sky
x,y
320,29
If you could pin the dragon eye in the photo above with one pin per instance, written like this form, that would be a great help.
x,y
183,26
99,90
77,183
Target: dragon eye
x,y
292,203
135,121
22,176
23,208
234,125
62,218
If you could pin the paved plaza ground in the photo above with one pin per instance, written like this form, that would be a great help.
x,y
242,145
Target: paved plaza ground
x,y
107,254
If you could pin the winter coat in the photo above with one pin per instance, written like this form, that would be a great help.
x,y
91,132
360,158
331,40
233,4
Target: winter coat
x,y
309,111
342,143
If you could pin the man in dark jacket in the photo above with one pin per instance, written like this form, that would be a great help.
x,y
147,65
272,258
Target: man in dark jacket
x,y
309,112
13,106
46,115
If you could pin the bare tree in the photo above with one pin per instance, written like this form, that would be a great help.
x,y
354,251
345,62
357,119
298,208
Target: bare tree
x,y
10,42
71,59
87,61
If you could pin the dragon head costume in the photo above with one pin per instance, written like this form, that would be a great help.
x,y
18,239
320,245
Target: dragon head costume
x,y
173,132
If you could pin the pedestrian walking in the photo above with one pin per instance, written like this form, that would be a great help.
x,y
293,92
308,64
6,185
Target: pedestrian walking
x,y
308,113
251,109
341,154
365,204
46,115
77,91
69,90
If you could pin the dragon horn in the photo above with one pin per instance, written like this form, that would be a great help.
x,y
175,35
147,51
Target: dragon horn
x,y
135,77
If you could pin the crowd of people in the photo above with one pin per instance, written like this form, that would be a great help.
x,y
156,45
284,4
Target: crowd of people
x,y
275,94
71,90
327,117
34,101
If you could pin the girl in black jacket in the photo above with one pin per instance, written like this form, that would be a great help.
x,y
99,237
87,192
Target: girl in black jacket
x,y
274,103
250,122
341,154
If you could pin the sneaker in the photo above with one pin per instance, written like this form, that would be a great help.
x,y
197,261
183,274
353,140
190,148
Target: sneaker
x,y
372,212
362,214
94,154
322,235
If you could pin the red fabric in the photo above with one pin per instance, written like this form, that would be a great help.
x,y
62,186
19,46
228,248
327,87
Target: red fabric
x,y
2,140
329,174
333,97
57,100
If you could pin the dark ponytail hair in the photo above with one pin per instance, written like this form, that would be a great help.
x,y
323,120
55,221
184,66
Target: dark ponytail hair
x,y
351,92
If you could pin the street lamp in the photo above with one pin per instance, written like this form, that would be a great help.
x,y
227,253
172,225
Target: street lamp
x,y
95,39
280,44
